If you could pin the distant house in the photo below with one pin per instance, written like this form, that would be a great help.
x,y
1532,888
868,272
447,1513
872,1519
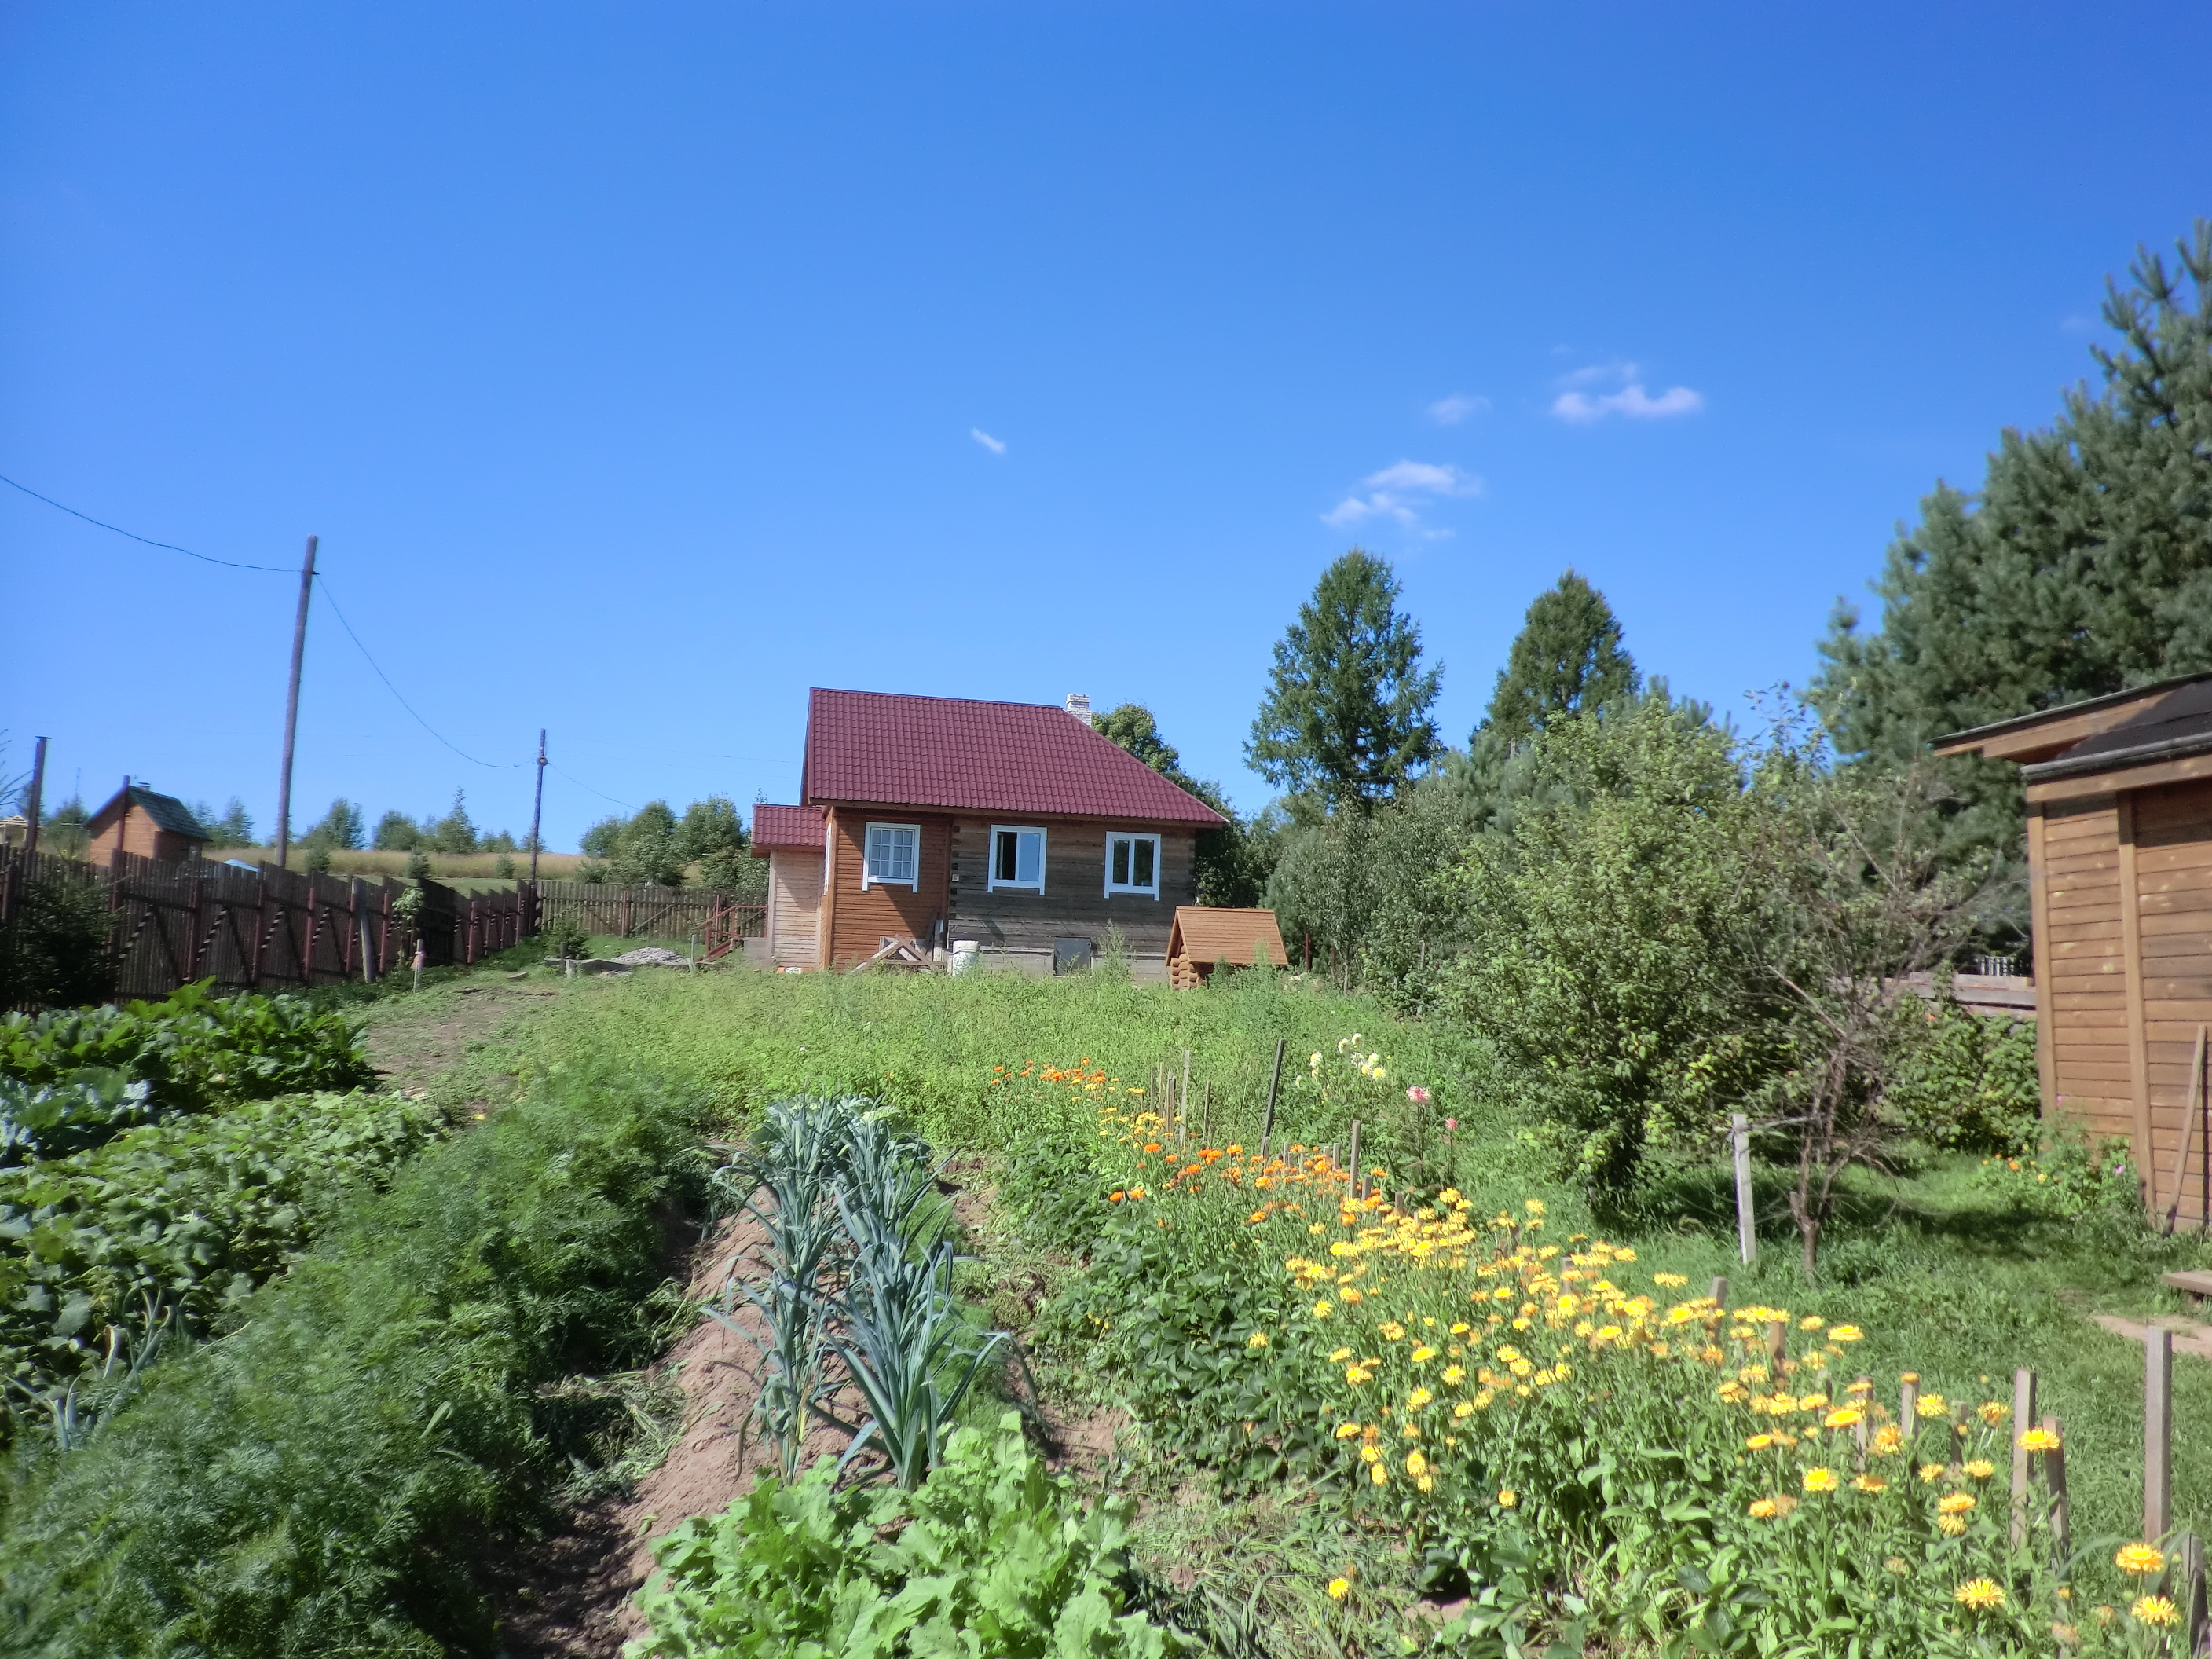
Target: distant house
x,y
142,821
940,819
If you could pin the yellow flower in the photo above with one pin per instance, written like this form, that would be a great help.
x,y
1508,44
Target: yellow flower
x,y
1670,1281
1338,1587
1454,1374
1820,1480
1981,1468
1954,1502
2038,1440
1811,1323
1534,1206
1323,1310
1759,1443
1347,1431
1257,1340
2154,1610
1418,1398
1932,1404
1845,1417
1464,1410
1416,1464
1930,1473
1950,1525
1845,1332
1980,1594
1392,1330
1379,1475
1423,1354
2139,1560
1991,1412
1765,1508
1871,1483
1889,1439
1426,1483
1369,1454
1339,1356
1508,1497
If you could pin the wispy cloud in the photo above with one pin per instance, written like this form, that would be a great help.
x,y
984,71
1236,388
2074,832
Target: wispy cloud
x,y
996,445
1399,490
1583,402
1450,412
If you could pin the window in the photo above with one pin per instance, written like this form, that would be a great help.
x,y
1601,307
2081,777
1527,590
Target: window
x,y
1133,864
1017,859
893,856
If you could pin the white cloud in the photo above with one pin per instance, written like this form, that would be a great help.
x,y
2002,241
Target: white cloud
x,y
1450,412
1628,398
996,445
1399,489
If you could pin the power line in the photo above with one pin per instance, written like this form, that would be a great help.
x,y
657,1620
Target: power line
x,y
171,547
496,766
588,790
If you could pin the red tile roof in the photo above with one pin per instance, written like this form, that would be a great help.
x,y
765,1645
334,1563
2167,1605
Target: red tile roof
x,y
949,753
785,828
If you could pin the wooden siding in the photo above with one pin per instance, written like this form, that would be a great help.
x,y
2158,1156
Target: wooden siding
x,y
1074,903
860,920
2124,969
794,905
140,837
2172,860
2080,970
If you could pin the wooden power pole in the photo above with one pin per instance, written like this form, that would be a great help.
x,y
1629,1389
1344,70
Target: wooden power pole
x,y
538,806
292,707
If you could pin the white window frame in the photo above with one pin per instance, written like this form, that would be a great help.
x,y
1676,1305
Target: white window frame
x,y
1132,837
992,880
868,876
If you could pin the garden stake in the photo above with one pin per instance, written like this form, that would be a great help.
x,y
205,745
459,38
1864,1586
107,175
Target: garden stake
x,y
1861,1430
1183,1095
1720,1292
2054,1477
2189,1114
1747,1224
2023,1419
2158,1432
1351,1158
2192,1592
1267,1124
1908,1405
1775,1340
1206,1129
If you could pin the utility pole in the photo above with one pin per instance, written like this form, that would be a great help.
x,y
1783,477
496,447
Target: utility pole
x,y
292,707
538,806
34,803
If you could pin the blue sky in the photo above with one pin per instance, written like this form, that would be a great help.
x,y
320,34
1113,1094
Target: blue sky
x,y
641,366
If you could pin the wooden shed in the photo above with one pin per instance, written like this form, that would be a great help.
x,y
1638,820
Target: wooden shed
x,y
2119,848
143,821
1202,936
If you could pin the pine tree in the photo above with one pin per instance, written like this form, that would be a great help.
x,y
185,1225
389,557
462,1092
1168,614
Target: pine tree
x,y
2083,567
1347,714
1568,656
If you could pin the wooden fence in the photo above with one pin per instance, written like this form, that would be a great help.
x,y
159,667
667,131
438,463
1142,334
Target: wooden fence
x,y
650,912
262,929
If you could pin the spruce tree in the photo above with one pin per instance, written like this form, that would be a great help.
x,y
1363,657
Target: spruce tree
x,y
2084,566
1568,656
1347,720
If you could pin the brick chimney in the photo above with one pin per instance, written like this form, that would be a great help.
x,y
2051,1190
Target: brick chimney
x,y
1079,704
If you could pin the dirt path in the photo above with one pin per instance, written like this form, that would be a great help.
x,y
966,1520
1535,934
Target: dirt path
x,y
427,1042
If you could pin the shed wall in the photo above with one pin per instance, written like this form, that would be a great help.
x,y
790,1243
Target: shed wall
x,y
794,900
1075,903
2079,956
2173,832
860,921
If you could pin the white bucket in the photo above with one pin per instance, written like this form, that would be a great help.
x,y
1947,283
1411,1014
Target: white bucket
x,y
966,954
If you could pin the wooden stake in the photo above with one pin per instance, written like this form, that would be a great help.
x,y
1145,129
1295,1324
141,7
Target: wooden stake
x,y
1720,1292
1862,1431
1908,1405
1183,1094
2192,1593
1775,1340
2158,1432
1746,1223
1267,1124
1205,1130
2054,1477
1351,1160
2023,1419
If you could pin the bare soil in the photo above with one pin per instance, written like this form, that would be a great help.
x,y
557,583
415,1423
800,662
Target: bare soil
x,y
412,1047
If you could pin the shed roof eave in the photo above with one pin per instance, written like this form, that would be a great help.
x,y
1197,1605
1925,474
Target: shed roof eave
x,y
1977,738
2118,760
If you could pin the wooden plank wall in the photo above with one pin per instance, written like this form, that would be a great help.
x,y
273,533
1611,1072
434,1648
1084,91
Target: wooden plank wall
x,y
859,921
2173,859
794,913
2080,955
1075,903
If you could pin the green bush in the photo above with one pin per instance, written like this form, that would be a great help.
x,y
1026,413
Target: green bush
x,y
1967,1083
53,951
990,1555
319,1481
190,1215
192,1049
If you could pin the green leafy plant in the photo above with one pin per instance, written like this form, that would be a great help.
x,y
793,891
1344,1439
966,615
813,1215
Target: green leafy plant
x,y
992,1554
1967,1082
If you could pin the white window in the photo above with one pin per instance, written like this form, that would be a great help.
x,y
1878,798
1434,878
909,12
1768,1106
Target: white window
x,y
1017,858
1133,864
893,856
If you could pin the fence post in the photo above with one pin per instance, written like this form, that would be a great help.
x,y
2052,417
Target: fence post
x,y
2023,1419
2158,1432
2054,1477
1908,1405
1267,1124
1720,1293
193,919
1746,1223
1351,1160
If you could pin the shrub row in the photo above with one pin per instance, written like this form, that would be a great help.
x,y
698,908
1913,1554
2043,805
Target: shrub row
x,y
184,1218
317,1481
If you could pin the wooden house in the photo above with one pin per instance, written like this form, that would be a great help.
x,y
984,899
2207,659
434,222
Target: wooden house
x,y
1014,825
2120,847
139,820
1203,937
